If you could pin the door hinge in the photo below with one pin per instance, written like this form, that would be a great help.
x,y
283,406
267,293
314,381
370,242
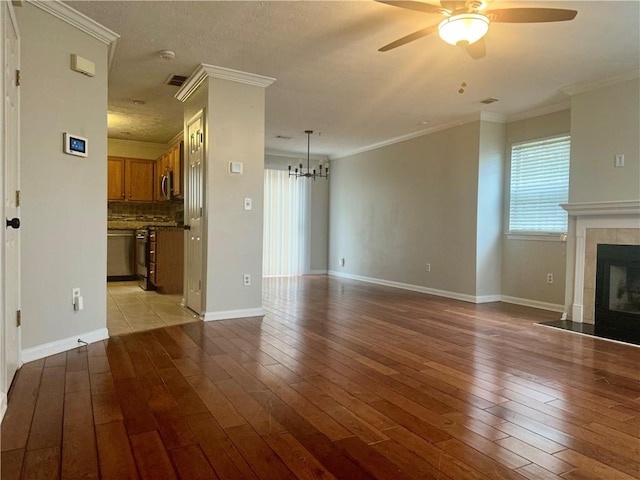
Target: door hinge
x,y
18,318
17,78
17,198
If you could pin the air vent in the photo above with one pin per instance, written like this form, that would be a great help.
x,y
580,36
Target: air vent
x,y
489,100
176,80
282,137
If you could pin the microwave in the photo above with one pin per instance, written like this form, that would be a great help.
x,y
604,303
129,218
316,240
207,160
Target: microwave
x,y
166,185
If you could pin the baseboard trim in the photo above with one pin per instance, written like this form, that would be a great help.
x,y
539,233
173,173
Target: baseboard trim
x,y
317,272
525,302
418,288
231,314
51,348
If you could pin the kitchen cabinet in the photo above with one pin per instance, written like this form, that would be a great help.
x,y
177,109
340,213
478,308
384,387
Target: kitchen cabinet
x,y
175,164
130,179
166,262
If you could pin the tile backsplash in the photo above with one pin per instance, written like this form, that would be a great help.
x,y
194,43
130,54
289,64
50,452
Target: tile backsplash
x,y
139,211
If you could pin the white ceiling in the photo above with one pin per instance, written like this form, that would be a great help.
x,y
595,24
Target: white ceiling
x,y
331,77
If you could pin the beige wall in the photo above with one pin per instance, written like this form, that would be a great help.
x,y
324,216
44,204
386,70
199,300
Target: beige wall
x,y
318,211
489,215
525,263
63,197
396,208
234,132
134,149
605,122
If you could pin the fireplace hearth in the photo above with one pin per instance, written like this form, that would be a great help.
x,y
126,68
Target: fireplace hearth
x,y
617,296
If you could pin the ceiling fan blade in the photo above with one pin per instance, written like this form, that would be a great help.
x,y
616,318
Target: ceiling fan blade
x,y
409,38
418,6
530,15
477,49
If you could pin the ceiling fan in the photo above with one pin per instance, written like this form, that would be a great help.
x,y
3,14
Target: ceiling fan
x,y
466,22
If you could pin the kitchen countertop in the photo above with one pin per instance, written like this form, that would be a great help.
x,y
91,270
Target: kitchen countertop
x,y
138,224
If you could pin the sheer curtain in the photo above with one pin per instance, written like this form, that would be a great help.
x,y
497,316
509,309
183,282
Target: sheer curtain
x,y
285,239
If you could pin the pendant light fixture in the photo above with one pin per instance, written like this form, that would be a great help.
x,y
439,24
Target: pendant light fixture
x,y
298,172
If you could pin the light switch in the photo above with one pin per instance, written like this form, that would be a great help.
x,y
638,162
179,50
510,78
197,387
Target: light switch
x,y
248,203
620,160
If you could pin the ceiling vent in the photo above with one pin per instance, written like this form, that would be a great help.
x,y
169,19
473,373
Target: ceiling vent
x,y
283,137
489,100
176,80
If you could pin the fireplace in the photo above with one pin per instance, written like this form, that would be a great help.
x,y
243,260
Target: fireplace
x,y
617,302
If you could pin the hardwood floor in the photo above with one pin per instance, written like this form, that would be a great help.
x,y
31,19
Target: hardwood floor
x,y
340,379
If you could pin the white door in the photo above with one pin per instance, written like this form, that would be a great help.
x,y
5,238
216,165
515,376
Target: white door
x,y
11,135
193,212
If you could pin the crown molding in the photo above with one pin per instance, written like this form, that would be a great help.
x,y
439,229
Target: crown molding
x,y
205,71
297,156
537,112
474,117
606,82
80,21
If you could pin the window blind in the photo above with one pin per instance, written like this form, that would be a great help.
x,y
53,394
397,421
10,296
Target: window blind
x,y
285,224
539,184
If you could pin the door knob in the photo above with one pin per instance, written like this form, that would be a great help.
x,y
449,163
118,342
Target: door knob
x,y
13,223
186,227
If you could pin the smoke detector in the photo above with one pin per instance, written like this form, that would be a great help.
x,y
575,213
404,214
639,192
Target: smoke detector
x,y
167,54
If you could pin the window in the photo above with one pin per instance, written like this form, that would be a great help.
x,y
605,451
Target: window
x,y
285,224
539,184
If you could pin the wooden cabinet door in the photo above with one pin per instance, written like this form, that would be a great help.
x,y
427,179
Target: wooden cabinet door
x,y
139,176
115,176
176,168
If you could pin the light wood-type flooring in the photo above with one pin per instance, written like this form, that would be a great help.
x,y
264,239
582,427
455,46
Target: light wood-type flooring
x,y
340,379
131,309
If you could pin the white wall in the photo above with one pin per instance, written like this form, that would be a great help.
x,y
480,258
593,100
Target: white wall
x,y
396,208
525,263
63,197
318,211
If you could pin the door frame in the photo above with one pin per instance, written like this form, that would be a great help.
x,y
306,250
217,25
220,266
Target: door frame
x,y
7,318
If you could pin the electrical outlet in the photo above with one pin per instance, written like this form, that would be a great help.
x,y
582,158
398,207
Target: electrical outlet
x,y
427,267
247,279
549,278
619,160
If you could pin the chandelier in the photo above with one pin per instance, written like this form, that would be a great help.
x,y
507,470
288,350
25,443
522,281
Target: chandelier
x,y
298,172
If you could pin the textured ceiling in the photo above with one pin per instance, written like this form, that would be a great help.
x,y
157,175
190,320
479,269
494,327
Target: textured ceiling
x,y
330,76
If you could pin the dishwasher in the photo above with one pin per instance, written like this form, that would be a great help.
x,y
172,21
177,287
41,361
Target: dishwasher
x,y
120,254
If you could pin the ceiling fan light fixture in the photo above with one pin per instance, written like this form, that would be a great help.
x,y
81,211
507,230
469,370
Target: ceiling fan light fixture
x,y
464,28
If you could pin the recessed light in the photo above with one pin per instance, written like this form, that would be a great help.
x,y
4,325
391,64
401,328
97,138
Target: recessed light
x,y
139,102
423,122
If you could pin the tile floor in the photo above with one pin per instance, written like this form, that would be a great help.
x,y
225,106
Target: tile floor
x,y
131,309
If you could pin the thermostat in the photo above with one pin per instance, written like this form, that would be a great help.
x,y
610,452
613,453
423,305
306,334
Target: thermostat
x,y
75,145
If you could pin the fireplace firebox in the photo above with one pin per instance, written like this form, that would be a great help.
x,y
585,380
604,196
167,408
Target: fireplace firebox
x,y
617,302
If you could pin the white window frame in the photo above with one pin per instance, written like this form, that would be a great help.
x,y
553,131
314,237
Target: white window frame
x,y
529,235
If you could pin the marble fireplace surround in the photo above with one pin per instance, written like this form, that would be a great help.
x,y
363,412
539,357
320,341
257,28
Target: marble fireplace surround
x,y
590,224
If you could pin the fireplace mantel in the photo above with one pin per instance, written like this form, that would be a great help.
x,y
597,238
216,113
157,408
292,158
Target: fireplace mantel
x,y
631,207
584,216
